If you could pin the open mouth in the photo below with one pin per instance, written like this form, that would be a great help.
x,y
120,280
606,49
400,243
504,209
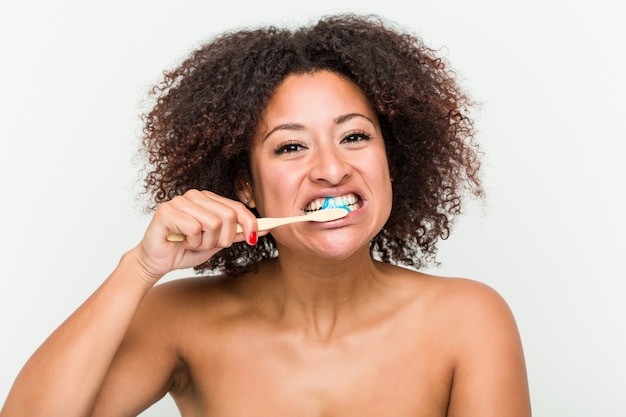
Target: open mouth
x,y
350,202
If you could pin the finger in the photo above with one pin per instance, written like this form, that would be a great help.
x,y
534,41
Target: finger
x,y
216,214
172,218
244,217
213,219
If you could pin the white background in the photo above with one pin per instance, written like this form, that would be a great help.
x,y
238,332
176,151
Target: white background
x,y
550,236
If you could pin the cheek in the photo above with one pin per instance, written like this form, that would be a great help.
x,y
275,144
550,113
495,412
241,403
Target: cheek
x,y
379,160
273,185
381,177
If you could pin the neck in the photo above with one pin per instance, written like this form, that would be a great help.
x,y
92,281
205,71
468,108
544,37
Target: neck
x,y
319,294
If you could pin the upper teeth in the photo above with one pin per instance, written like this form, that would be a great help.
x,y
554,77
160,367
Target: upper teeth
x,y
342,200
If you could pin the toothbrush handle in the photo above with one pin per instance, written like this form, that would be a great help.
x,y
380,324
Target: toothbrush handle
x,y
265,223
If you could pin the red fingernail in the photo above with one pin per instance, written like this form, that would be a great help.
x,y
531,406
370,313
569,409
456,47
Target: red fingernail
x,y
252,238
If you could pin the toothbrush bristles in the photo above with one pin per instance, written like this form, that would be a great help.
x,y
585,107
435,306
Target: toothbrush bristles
x,y
329,202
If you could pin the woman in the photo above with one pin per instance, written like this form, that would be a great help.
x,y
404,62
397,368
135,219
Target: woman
x,y
312,319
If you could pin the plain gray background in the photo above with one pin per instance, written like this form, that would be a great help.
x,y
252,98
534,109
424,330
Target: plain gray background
x,y
550,237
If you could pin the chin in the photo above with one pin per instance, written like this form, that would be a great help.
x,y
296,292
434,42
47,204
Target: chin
x,y
333,245
341,250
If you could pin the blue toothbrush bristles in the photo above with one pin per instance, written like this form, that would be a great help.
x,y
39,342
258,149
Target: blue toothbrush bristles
x,y
329,202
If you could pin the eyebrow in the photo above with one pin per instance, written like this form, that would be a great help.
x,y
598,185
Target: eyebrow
x,y
347,117
294,127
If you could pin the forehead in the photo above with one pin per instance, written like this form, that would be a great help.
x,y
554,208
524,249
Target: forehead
x,y
315,96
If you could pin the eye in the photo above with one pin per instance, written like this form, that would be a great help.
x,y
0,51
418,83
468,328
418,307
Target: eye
x,y
355,137
289,147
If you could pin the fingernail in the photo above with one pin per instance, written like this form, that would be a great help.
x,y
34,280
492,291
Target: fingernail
x,y
252,238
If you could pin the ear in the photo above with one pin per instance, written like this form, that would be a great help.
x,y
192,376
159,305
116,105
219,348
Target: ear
x,y
244,193
393,172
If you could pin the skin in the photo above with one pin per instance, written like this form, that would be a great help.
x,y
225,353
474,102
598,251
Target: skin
x,y
323,330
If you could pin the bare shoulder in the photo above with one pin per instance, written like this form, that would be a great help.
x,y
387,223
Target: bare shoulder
x,y
193,295
464,313
478,335
477,311
166,316
468,299
450,295
150,359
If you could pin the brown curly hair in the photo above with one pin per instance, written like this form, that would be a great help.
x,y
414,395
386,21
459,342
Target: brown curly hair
x,y
198,134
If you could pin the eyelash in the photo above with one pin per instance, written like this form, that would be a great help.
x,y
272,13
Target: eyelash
x,y
360,136
290,146
293,146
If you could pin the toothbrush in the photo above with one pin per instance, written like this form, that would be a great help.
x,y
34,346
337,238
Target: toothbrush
x,y
268,223
329,203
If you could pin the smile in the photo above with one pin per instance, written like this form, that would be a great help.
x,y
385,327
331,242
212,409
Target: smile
x,y
351,201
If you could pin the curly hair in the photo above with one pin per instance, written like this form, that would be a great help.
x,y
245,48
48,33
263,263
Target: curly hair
x,y
198,134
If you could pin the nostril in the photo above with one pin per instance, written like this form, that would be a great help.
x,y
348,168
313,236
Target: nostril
x,y
330,167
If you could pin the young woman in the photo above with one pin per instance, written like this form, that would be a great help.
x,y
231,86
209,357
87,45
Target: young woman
x,y
310,319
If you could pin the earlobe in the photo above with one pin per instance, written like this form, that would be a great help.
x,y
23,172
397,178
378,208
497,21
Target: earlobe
x,y
244,193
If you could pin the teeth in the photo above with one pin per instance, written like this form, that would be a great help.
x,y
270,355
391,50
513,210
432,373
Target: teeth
x,y
336,201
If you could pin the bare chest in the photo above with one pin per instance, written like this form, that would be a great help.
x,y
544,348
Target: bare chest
x,y
244,373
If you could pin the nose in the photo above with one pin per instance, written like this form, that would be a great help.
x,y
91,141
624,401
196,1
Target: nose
x,y
330,165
